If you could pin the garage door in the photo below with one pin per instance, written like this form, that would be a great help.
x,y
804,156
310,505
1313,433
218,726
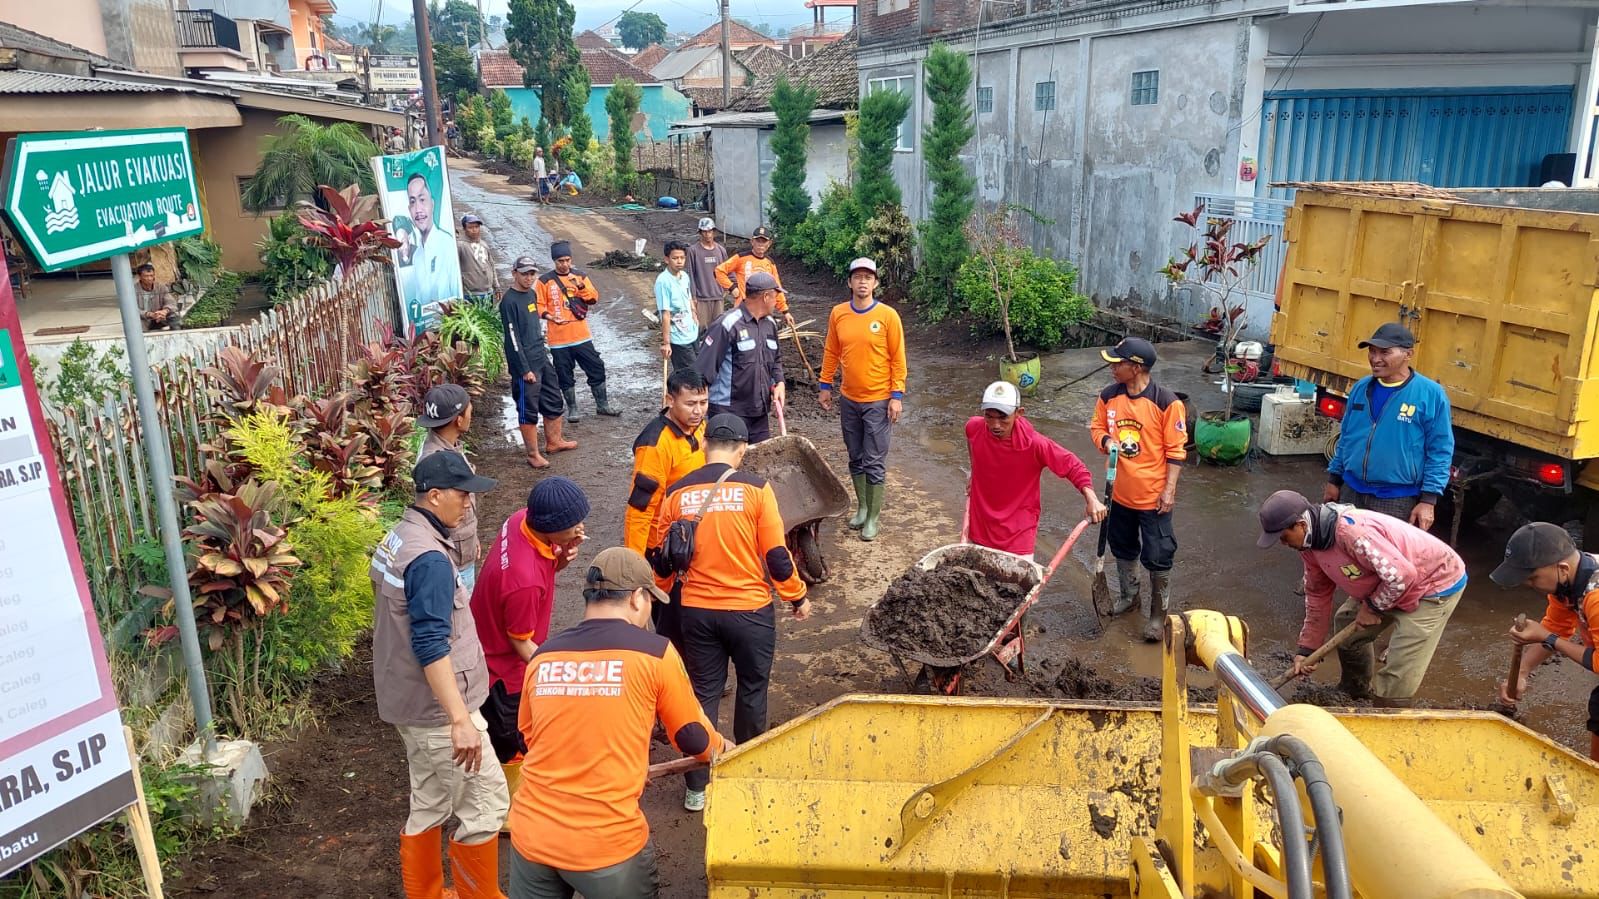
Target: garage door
x,y
1485,138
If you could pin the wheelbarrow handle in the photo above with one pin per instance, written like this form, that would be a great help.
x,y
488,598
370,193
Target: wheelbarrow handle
x,y
1060,554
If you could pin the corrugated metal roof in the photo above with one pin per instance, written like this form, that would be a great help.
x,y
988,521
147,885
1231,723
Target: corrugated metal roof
x,y
20,82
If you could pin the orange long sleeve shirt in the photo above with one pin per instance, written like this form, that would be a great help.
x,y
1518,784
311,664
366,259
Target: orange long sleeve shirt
x,y
591,696
739,548
732,274
1150,431
562,328
662,455
870,346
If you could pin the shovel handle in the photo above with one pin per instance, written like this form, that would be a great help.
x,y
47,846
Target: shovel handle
x,y
675,766
1321,653
1512,686
782,424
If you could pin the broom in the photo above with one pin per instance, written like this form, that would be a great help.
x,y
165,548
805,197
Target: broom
x,y
1100,595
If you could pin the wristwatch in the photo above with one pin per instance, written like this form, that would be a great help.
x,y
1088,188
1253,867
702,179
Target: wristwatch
x,y
1549,642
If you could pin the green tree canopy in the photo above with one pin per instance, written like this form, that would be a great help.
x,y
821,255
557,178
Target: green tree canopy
x,y
304,154
947,77
540,38
640,29
622,102
581,126
881,113
790,202
454,22
454,69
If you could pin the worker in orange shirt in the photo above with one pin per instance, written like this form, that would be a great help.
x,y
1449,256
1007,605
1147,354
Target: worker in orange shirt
x,y
866,338
733,273
591,696
565,297
1146,423
669,447
726,565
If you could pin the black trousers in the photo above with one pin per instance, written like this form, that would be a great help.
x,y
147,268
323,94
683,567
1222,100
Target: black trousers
x,y
582,355
666,618
499,712
1141,534
683,355
760,426
533,400
709,638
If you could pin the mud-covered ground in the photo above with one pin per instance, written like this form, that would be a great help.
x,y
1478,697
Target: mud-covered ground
x,y
340,790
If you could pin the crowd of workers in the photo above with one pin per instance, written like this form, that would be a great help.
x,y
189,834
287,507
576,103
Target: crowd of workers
x,y
466,667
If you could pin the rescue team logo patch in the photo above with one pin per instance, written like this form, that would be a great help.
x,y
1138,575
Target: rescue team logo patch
x,y
1130,438
1407,412
874,327
599,677
1182,426
1352,571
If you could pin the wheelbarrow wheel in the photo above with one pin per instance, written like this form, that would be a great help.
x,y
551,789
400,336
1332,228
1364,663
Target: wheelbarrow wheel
x,y
806,549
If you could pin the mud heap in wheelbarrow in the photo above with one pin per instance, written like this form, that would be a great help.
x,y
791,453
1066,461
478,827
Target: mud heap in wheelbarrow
x,y
807,491
950,611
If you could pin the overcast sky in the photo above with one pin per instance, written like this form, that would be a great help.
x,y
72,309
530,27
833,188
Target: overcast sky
x,y
680,15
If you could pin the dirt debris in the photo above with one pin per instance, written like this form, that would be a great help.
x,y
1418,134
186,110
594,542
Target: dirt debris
x,y
629,261
951,611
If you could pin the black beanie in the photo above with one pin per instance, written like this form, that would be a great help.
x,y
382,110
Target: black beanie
x,y
555,504
560,248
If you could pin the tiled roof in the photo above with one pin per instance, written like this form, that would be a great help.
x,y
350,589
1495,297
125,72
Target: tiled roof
x,y
709,97
830,71
649,56
764,60
738,34
19,38
588,40
604,67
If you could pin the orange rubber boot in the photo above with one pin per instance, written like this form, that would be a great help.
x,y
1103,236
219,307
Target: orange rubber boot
x,y
476,869
421,867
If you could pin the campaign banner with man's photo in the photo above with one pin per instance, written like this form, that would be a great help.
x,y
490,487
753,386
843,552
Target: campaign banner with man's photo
x,y
415,192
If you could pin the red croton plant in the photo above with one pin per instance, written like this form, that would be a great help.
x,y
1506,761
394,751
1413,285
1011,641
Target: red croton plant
x,y
349,228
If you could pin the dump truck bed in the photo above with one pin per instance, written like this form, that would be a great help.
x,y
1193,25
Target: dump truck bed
x,y
1499,289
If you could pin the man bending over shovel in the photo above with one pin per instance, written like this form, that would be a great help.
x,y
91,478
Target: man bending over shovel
x,y
1008,455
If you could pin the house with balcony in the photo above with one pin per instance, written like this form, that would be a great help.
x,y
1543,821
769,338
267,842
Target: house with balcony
x,y
1106,117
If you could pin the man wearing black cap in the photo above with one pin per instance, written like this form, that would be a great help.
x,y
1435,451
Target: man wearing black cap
x,y
725,580
430,679
534,388
565,297
1396,576
479,279
447,414
739,358
591,696
1395,442
734,273
1146,422
1544,557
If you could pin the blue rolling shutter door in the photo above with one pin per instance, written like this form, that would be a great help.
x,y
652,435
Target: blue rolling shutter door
x,y
1486,138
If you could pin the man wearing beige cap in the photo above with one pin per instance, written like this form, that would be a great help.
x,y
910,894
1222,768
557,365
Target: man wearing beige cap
x,y
703,258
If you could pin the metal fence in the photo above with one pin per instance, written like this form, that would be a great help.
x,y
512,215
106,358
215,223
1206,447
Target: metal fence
x,y
313,337
1254,218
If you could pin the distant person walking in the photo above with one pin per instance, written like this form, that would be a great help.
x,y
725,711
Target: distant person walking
x,y
1396,442
704,256
541,176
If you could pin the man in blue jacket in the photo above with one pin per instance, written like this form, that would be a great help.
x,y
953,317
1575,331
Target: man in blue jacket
x,y
1394,450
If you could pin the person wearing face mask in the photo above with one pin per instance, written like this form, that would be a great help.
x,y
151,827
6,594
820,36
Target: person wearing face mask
x,y
1544,557
1397,576
1395,442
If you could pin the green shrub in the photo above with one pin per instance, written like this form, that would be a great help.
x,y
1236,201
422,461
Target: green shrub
x,y
199,261
86,377
889,239
217,304
519,152
1044,302
483,137
288,264
600,163
829,236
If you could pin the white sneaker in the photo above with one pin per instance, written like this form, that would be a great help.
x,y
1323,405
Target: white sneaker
x,y
694,800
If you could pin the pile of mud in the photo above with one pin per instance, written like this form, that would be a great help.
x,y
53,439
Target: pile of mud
x,y
952,611
629,261
1078,681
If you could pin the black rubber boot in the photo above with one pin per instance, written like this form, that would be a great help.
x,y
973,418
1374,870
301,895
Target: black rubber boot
x,y
1127,582
1159,603
571,403
600,405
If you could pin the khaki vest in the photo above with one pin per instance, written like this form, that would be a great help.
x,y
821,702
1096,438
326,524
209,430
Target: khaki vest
x,y
404,698
463,553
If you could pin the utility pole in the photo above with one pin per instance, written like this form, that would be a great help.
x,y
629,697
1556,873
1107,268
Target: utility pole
x,y
727,60
430,87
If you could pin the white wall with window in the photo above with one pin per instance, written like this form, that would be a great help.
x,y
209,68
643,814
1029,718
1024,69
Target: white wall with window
x,y
905,84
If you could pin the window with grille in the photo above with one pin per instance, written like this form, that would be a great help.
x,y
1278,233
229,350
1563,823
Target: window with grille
x,y
1146,88
1044,95
985,99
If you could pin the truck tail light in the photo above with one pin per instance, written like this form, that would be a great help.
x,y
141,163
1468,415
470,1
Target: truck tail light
x,y
1553,474
1331,407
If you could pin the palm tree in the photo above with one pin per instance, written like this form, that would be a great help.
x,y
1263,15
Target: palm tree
x,y
305,154
377,37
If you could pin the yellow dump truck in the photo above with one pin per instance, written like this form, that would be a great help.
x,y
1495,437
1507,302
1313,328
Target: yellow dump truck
x,y
1498,287
894,797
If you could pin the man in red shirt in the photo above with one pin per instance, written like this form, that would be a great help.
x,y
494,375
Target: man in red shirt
x,y
1008,455
514,597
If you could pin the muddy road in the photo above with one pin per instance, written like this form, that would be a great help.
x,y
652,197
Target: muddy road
x,y
331,832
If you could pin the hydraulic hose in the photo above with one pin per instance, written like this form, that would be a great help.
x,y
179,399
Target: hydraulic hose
x,y
1290,816
1329,820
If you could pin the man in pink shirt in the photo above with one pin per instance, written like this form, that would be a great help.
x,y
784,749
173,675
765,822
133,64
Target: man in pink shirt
x,y
1008,455
514,597
1396,574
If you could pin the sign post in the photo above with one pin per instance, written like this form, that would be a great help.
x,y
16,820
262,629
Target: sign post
x,y
80,196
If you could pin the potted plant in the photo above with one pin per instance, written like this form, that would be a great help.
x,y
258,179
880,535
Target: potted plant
x,y
995,242
1217,267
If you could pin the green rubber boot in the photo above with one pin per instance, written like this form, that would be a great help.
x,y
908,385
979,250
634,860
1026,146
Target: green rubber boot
x,y
859,518
874,499
571,403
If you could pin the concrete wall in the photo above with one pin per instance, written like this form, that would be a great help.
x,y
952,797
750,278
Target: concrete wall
x,y
658,109
76,22
735,158
141,34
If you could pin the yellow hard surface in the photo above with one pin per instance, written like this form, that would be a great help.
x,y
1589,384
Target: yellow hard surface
x,y
814,808
1502,301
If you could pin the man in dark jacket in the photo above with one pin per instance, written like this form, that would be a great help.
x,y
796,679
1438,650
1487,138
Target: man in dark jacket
x,y
739,357
533,384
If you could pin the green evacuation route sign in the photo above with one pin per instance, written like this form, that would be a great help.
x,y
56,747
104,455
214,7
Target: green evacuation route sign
x,y
79,196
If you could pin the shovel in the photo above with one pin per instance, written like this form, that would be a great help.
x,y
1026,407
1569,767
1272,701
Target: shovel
x,y
1337,640
1515,663
1100,595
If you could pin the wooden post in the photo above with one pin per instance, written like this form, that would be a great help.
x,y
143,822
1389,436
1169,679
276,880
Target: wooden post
x,y
140,829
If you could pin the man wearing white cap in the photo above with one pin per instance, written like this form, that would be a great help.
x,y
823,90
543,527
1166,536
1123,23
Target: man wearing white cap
x,y
703,258
866,339
1008,455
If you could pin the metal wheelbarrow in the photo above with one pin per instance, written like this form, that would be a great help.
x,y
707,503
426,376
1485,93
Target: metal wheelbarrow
x,y
1007,646
807,489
